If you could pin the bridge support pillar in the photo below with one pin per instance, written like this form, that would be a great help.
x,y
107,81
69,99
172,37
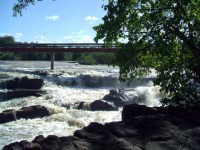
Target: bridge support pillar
x,y
52,60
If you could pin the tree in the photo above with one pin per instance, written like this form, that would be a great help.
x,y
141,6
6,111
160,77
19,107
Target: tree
x,y
163,34
7,39
160,34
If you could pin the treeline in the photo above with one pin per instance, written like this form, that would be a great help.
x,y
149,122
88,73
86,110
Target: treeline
x,y
83,58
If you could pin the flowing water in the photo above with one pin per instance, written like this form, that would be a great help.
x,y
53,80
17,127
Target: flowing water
x,y
67,85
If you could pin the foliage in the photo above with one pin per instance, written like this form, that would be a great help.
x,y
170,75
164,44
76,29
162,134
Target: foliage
x,y
7,39
103,58
163,34
86,59
21,5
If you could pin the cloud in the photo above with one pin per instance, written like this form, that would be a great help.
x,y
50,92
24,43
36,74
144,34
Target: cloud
x,y
18,36
54,17
78,37
81,32
41,39
91,18
84,39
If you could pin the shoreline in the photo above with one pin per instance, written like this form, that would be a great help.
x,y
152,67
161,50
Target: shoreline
x,y
141,128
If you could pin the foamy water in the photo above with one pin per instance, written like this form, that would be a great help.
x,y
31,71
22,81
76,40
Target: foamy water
x,y
64,121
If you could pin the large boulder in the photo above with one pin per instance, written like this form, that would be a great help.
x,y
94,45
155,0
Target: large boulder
x,y
35,111
7,116
98,81
8,95
32,112
41,73
97,105
90,81
20,87
22,83
131,111
117,97
101,105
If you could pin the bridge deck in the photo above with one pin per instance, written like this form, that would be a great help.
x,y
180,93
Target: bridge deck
x,y
62,47
53,48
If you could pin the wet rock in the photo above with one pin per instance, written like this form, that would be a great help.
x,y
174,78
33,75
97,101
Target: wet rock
x,y
36,111
81,105
98,81
117,97
22,83
8,95
7,116
20,87
41,73
146,129
4,76
67,81
32,112
100,105
93,82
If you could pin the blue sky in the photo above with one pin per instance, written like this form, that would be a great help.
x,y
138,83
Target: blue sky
x,y
59,21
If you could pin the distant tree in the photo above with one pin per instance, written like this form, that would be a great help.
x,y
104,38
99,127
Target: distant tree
x,y
103,58
63,56
86,59
7,39
163,34
76,55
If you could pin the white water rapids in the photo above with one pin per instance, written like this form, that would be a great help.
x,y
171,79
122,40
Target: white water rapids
x,y
60,93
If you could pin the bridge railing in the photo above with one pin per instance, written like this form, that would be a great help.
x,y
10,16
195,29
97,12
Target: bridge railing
x,y
57,45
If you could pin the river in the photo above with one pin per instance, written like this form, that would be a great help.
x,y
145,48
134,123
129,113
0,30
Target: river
x,y
62,92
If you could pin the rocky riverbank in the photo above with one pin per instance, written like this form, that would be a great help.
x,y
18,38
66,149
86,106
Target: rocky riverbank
x,y
141,128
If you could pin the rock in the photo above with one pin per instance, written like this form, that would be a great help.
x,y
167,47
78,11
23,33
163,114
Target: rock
x,y
145,129
23,145
3,76
80,106
41,73
51,142
39,139
7,116
22,83
36,111
32,112
93,82
8,95
100,105
133,110
117,97
191,113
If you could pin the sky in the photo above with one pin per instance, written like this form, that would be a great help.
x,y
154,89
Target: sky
x,y
48,21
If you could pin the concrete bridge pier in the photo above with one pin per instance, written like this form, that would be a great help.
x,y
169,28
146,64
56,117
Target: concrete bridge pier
x,y
52,60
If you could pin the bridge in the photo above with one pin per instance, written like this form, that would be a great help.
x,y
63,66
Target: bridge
x,y
58,47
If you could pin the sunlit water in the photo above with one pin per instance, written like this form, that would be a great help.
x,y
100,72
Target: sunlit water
x,y
64,121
